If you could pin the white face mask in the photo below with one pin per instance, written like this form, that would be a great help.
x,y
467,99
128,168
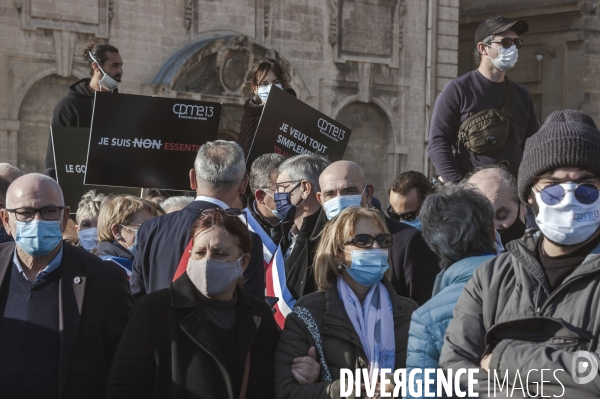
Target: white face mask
x,y
499,246
212,277
88,238
263,91
569,222
506,59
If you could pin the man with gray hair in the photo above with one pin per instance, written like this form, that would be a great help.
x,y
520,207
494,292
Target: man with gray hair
x,y
261,205
62,309
218,177
9,172
298,208
500,188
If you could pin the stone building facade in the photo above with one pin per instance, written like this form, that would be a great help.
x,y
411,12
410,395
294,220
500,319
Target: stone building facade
x,y
374,65
559,62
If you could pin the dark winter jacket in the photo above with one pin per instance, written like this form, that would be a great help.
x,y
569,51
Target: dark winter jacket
x,y
94,304
252,112
341,344
169,349
74,110
507,309
414,265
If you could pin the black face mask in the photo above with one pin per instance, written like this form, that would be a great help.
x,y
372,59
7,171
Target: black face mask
x,y
515,231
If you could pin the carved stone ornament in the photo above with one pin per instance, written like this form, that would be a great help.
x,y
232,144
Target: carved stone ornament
x,y
187,18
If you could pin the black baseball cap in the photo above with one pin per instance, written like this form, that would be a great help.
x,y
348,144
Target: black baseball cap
x,y
496,25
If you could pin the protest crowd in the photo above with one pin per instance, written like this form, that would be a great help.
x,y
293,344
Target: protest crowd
x,y
276,275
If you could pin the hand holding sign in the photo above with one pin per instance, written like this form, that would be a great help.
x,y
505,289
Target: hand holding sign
x,y
290,127
146,141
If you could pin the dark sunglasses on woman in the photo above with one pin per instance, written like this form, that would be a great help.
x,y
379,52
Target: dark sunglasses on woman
x,y
367,241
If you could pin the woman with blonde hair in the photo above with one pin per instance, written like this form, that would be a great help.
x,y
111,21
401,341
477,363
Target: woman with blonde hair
x,y
87,219
119,220
355,321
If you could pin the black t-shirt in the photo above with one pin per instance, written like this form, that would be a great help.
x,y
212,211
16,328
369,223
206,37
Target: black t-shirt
x,y
558,268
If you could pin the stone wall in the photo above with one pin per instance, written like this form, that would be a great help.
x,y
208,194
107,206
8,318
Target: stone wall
x,y
565,33
362,62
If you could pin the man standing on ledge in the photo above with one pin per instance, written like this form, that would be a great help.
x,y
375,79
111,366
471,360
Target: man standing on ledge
x,y
497,42
75,109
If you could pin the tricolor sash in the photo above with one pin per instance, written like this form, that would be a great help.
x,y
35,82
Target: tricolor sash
x,y
269,247
276,286
122,262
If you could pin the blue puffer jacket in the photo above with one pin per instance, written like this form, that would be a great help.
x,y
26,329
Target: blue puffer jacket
x,y
429,322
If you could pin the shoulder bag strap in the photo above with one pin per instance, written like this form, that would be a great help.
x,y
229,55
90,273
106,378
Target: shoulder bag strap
x,y
246,375
307,318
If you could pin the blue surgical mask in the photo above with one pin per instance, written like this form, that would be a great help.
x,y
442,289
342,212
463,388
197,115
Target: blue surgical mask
x,y
284,207
88,238
368,265
38,237
341,202
413,223
133,246
273,211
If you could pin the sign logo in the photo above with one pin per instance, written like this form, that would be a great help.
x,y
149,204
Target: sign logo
x,y
330,130
195,112
584,367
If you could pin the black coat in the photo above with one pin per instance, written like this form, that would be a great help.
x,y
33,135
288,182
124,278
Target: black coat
x,y
414,265
161,242
73,110
169,349
252,111
95,303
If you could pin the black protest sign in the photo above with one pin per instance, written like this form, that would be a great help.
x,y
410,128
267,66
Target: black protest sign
x,y
70,146
144,141
290,127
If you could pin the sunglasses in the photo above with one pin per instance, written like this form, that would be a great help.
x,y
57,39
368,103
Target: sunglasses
x,y
367,241
507,42
585,193
408,216
229,212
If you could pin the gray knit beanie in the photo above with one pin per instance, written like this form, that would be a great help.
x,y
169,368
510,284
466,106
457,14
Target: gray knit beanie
x,y
567,139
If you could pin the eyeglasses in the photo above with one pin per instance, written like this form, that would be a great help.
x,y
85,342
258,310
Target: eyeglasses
x,y
281,187
585,193
27,214
408,216
366,240
229,212
507,42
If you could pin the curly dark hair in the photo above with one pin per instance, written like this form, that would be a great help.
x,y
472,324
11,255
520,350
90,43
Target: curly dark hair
x,y
98,51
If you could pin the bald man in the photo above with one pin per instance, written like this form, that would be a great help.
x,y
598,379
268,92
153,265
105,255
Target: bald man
x,y
62,309
500,188
414,265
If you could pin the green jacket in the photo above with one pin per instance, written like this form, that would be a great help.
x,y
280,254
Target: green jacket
x,y
533,328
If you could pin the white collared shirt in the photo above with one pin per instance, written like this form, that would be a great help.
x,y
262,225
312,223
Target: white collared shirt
x,y
215,201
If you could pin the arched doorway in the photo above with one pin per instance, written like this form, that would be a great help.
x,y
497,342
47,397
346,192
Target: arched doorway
x,y
35,115
368,144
